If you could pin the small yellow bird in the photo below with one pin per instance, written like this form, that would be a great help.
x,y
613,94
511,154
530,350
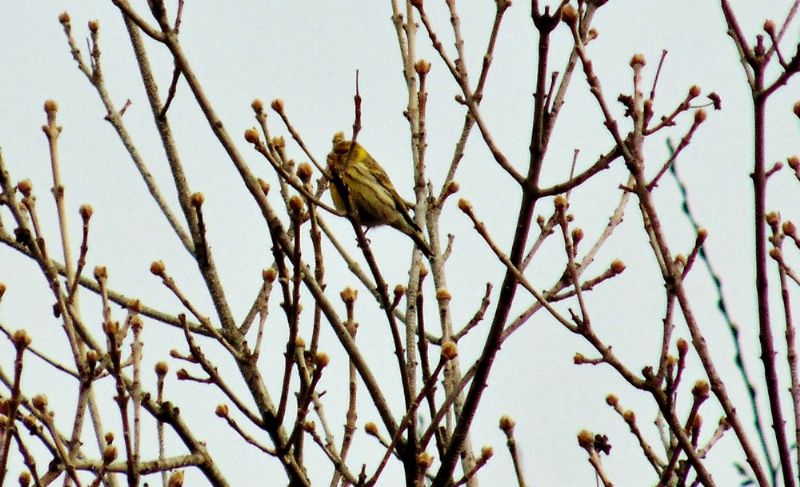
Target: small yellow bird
x,y
370,190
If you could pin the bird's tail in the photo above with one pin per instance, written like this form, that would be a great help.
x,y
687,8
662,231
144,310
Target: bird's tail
x,y
419,239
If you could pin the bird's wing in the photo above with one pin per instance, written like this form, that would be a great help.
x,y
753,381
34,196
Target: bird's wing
x,y
380,176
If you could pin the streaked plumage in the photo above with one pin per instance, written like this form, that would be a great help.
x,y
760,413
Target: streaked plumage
x,y
372,193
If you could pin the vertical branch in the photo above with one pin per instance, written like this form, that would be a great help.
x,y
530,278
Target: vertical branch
x,y
136,387
765,336
349,296
758,416
791,346
293,305
755,62
94,74
52,131
545,23
21,341
415,109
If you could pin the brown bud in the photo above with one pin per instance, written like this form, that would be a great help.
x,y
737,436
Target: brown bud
x,y
24,479
94,26
700,116
321,360
63,17
788,229
507,423
304,172
25,187
371,428
221,410
257,105
157,268
560,203
100,272
50,106
683,346
773,218
277,105
629,416
175,479
137,323
449,350
338,137
422,67
399,291
349,295
279,142
309,426
569,14
296,204
612,400
2,289
796,108
269,274
109,454
487,452
161,368
700,389
617,266
110,327
452,187
39,402
578,358
86,212
91,358
135,305
793,161
251,135
299,342
442,294
464,205
585,439
769,27
21,339
198,199
694,91
424,460
577,235
638,60
775,253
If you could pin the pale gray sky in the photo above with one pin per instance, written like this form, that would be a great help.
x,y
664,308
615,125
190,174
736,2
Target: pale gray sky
x,y
306,53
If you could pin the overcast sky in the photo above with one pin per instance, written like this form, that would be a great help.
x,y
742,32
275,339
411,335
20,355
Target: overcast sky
x,y
306,53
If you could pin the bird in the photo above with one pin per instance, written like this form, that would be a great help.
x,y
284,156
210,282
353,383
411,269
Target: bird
x,y
370,191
